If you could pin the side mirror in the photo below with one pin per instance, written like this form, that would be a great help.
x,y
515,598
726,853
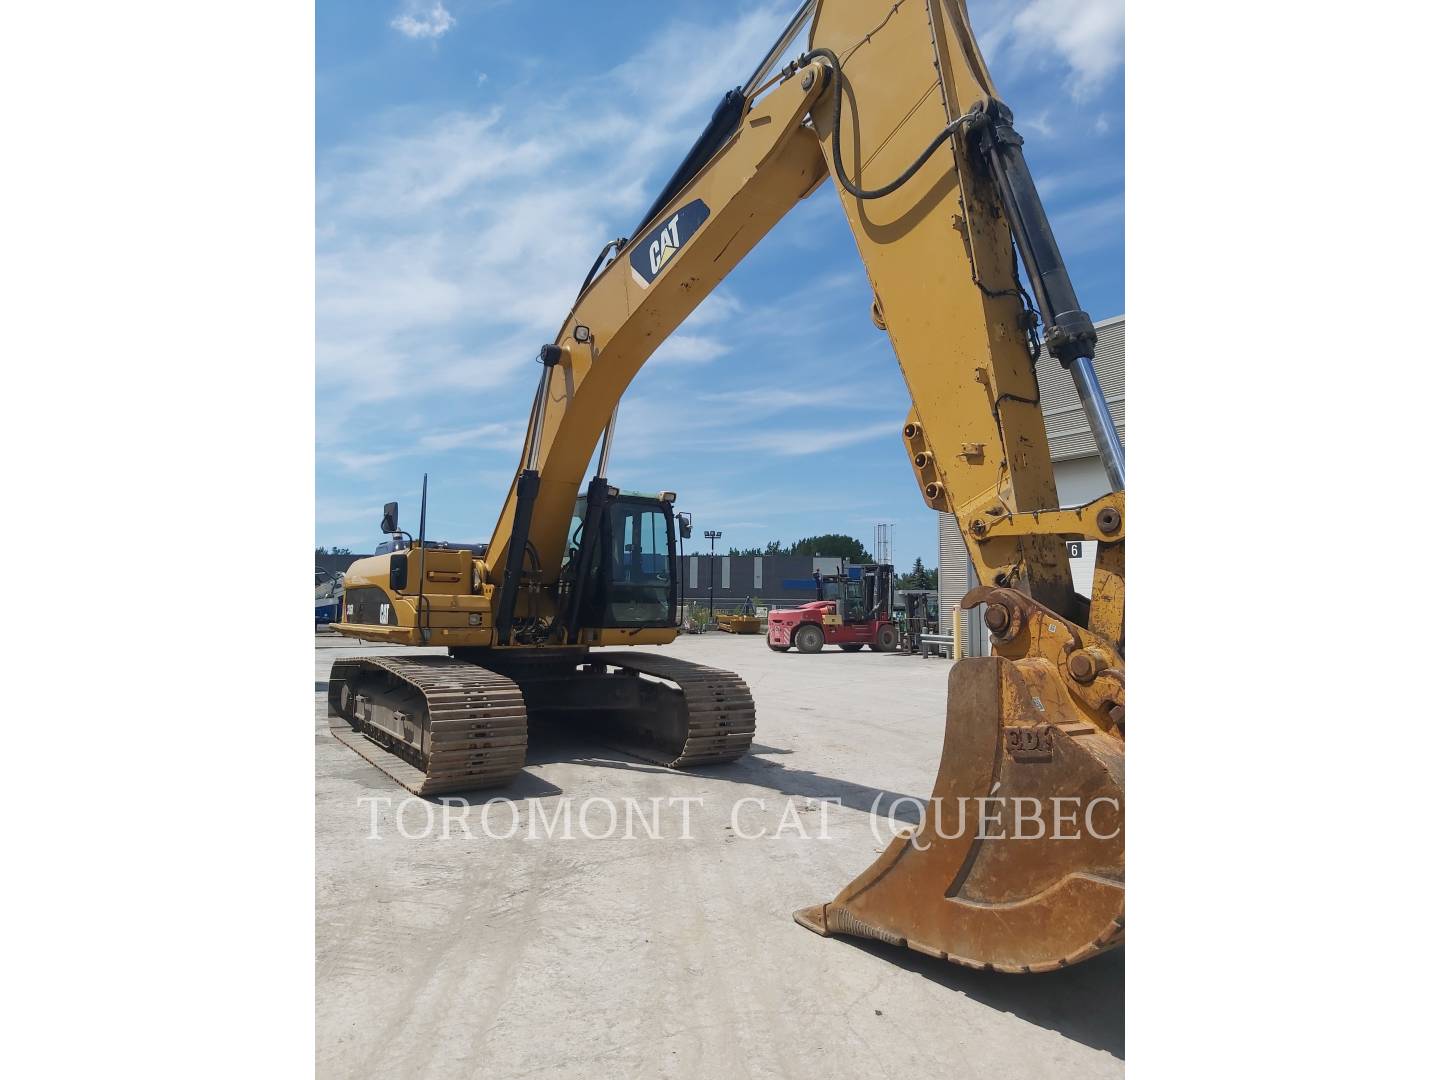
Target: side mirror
x,y
399,571
684,520
391,520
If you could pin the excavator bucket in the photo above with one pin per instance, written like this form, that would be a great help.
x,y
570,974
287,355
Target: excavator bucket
x,y
1018,864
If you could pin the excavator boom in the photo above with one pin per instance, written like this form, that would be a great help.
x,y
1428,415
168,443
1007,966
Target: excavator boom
x,y
892,101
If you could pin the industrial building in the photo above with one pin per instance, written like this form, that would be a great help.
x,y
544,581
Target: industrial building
x,y
762,578
1079,474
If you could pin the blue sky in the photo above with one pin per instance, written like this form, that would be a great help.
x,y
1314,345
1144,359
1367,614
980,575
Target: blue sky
x,y
473,155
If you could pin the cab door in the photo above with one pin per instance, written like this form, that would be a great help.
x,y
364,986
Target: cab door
x,y
850,624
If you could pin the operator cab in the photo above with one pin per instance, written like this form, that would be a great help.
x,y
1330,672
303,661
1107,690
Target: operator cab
x,y
860,593
629,548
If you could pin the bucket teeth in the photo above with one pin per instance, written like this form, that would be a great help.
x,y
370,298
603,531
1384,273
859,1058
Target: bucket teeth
x,y
1043,886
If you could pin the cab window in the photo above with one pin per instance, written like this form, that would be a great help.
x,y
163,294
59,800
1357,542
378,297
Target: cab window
x,y
639,565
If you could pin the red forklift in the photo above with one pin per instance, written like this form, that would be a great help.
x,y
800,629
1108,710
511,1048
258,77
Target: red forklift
x,y
851,609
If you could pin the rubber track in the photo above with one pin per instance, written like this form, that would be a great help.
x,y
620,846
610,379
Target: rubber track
x,y
476,720
719,708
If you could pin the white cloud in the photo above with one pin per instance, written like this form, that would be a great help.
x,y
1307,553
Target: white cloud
x,y
359,462
750,423
1091,175
721,306
418,21
502,435
789,442
450,246
766,400
1091,225
689,349
1040,124
330,510
496,436
1088,36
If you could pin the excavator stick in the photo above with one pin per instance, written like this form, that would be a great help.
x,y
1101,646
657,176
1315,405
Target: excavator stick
x,y
1018,864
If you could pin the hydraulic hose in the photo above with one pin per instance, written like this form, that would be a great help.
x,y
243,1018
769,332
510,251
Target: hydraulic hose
x,y
874,193
618,243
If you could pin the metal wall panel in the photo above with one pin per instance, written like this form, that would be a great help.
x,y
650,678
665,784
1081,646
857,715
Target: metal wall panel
x,y
759,578
1065,423
954,574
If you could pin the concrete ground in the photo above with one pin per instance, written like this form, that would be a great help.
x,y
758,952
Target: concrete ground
x,y
669,957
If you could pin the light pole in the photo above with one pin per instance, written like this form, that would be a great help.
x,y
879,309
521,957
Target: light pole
x,y
712,535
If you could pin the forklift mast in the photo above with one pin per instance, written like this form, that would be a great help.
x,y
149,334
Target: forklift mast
x,y
861,593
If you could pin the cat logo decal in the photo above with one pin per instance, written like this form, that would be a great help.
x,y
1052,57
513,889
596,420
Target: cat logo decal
x,y
655,250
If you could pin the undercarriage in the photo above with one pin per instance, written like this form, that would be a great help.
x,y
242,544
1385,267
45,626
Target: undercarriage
x,y
454,723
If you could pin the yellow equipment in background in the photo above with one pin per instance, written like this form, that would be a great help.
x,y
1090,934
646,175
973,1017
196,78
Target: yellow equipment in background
x,y
891,101
741,624
745,621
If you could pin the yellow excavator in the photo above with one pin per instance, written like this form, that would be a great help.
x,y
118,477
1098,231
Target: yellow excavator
x,y
893,103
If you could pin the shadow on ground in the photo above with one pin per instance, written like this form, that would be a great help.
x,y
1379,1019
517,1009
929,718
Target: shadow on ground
x,y
552,742
1085,1003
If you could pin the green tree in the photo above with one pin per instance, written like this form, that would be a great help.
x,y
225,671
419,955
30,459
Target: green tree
x,y
919,577
831,545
